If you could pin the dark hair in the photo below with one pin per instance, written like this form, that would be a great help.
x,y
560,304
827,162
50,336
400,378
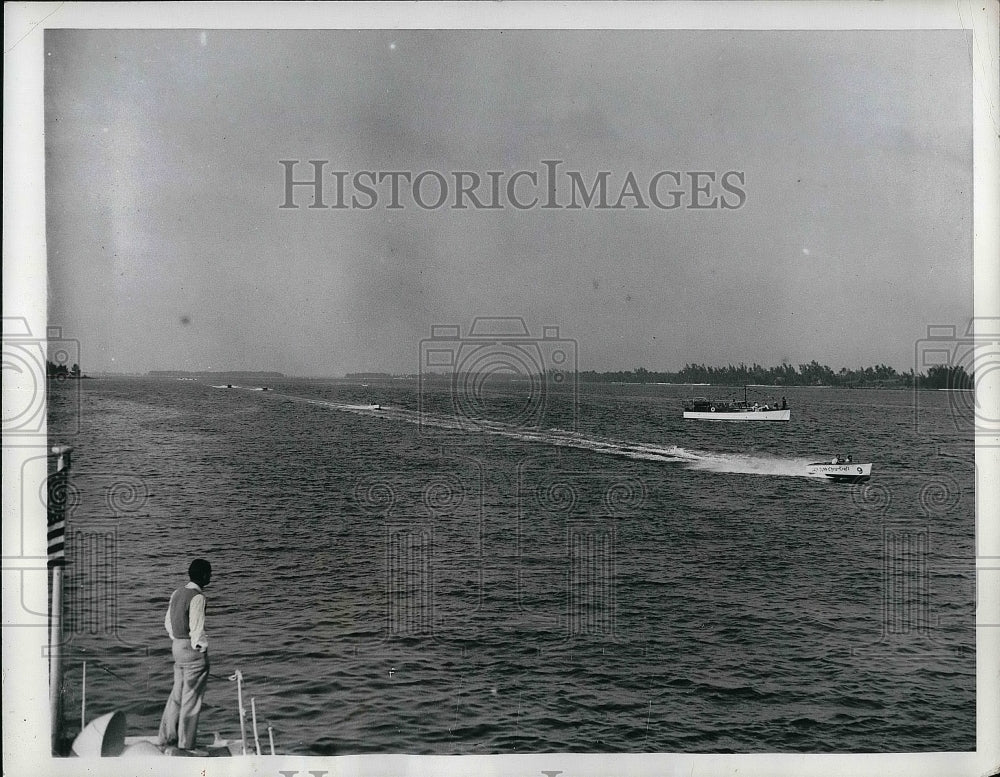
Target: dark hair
x,y
200,571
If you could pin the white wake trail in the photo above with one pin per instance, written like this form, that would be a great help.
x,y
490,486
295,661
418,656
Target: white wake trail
x,y
707,461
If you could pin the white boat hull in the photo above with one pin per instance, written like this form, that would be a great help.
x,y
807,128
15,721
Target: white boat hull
x,y
842,473
741,415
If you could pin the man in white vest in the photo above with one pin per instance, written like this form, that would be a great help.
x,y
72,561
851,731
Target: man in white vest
x,y
185,623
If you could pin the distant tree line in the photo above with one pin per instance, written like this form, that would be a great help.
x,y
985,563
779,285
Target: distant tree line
x,y
812,374
53,370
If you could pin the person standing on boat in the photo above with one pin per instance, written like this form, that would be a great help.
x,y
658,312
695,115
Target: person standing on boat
x,y
185,624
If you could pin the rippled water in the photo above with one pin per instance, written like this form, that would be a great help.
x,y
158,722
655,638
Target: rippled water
x,y
617,580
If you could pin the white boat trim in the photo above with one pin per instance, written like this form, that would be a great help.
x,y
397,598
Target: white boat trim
x,y
845,472
742,415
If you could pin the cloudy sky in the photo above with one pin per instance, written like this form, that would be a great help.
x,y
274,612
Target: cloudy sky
x,y
168,248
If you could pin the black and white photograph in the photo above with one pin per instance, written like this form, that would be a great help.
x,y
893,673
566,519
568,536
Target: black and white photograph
x,y
520,388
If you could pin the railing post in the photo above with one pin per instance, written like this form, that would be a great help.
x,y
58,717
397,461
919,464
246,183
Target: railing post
x,y
253,711
83,698
238,677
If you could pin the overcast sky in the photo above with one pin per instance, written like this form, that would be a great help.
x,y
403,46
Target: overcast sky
x,y
168,248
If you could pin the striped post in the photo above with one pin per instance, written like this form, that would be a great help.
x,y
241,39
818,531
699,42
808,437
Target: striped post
x,y
58,487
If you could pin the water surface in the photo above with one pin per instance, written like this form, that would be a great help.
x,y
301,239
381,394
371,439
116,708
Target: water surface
x,y
600,577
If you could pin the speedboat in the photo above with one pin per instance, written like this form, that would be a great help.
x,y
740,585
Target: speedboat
x,y
840,470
